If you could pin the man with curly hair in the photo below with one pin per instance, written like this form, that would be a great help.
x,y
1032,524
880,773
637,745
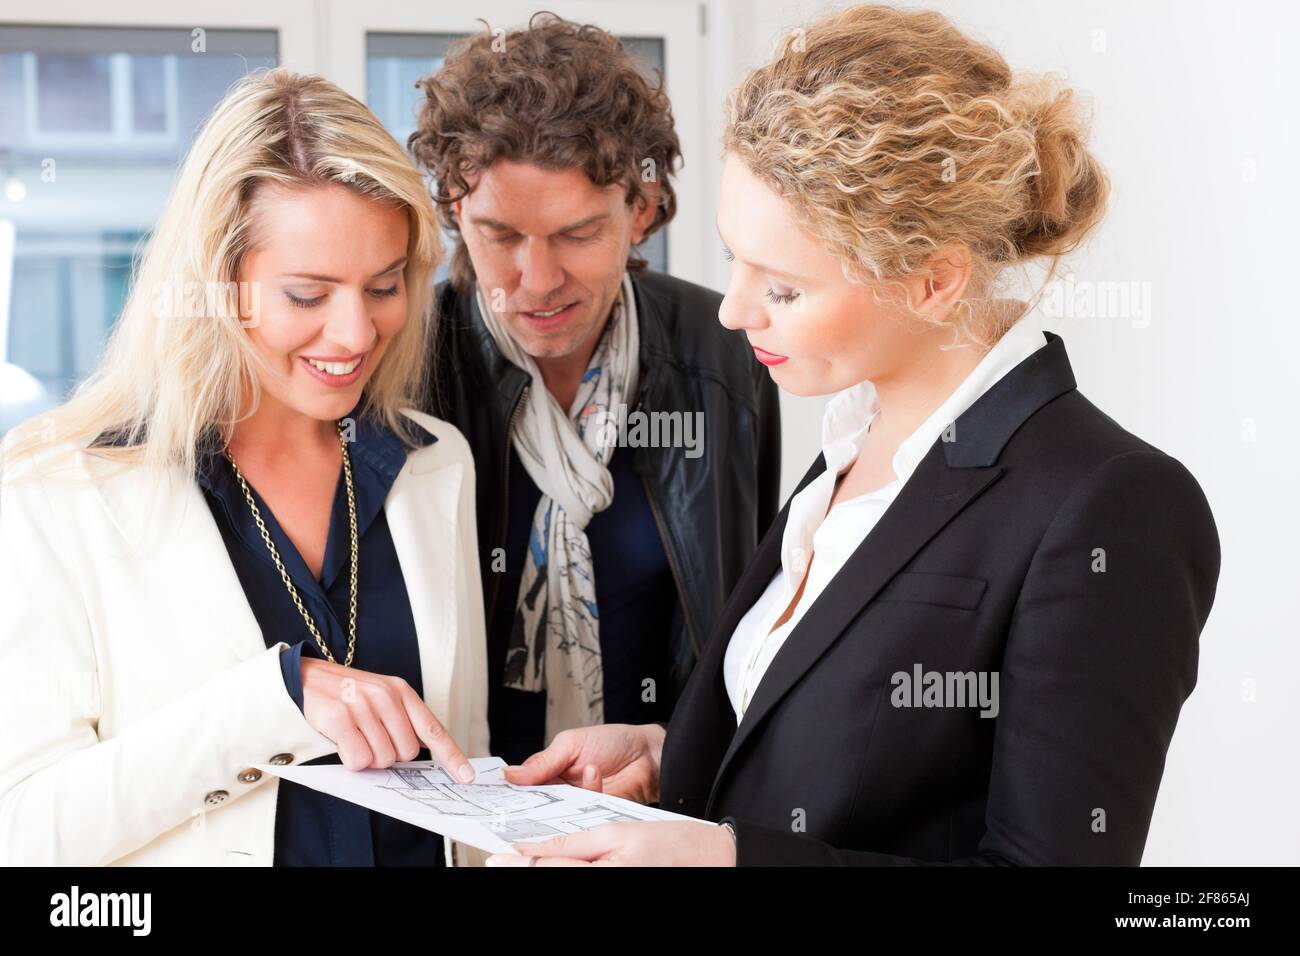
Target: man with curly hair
x,y
626,445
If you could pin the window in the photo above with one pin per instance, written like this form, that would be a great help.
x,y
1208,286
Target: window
x,y
94,122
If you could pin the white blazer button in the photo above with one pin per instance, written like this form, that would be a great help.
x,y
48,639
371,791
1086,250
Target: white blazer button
x,y
251,775
279,760
216,798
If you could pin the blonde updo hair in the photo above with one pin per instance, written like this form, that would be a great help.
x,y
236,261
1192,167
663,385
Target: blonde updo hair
x,y
891,133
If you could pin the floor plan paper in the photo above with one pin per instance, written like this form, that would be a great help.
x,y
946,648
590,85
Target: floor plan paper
x,y
489,813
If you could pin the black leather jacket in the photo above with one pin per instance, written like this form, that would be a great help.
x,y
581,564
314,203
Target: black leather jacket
x,y
711,510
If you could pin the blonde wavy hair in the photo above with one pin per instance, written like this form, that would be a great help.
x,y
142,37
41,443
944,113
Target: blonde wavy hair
x,y
169,376
891,134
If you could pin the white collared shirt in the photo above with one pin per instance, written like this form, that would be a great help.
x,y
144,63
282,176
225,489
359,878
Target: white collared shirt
x,y
828,540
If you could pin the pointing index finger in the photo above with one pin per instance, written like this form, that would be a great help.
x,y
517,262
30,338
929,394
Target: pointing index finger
x,y
441,746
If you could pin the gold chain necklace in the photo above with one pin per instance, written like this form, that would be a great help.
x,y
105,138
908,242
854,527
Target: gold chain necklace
x,y
279,565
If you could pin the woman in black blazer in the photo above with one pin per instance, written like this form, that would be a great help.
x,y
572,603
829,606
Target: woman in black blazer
x,y
979,654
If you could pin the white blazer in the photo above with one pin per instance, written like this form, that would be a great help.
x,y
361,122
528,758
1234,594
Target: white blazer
x,y
139,690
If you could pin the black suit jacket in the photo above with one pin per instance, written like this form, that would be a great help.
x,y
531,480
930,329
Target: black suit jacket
x,y
1045,544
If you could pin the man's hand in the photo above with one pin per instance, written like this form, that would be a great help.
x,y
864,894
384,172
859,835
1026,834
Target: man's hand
x,y
618,759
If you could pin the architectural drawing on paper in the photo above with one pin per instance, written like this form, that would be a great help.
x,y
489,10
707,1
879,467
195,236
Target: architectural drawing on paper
x,y
490,813
526,829
511,813
432,787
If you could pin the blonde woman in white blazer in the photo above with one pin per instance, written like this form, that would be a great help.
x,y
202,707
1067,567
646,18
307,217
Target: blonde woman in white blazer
x,y
156,649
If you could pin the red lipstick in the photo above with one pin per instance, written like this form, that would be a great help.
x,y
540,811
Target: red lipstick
x,y
769,358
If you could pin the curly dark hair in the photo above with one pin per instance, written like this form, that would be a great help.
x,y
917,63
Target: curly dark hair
x,y
557,94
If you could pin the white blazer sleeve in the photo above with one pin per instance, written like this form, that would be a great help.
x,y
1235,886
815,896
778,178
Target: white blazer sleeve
x,y
66,796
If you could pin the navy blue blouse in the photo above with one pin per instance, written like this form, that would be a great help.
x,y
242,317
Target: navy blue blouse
x,y
312,828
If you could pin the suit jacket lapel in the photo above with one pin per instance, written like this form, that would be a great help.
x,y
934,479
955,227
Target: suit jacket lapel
x,y
951,476
752,583
422,519
932,497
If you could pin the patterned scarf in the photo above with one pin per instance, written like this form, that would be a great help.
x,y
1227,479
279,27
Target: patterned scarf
x,y
555,642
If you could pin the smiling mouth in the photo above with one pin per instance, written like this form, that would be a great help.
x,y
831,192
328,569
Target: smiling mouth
x,y
547,313
336,368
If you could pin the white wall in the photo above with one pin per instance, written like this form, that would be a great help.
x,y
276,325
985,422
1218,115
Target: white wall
x,y
1195,121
